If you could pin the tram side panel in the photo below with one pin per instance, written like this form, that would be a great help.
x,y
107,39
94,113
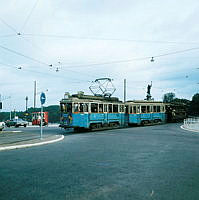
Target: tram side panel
x,y
96,118
80,120
161,117
134,119
107,119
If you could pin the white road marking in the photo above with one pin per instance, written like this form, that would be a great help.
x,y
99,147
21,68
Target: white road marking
x,y
186,129
30,145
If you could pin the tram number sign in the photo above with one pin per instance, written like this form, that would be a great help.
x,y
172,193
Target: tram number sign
x,y
43,98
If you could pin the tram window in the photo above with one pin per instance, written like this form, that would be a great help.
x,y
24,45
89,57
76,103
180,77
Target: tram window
x,y
162,108
81,107
105,107
76,107
85,105
148,109
158,108
110,108
94,107
68,107
154,109
100,107
143,109
121,108
134,109
115,108
138,109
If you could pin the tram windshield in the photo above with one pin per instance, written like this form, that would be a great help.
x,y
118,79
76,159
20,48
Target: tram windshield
x,y
66,107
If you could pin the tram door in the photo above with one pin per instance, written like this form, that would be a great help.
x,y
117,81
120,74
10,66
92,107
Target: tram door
x,y
126,115
105,114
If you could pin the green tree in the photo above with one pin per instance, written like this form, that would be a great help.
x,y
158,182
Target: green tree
x,y
53,114
194,105
168,97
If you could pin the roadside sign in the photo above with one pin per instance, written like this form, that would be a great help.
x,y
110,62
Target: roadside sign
x,y
43,98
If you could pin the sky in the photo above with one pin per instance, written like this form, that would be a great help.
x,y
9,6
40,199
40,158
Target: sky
x,y
64,45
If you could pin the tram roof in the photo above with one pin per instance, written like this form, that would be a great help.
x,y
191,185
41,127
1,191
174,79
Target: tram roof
x,y
143,101
81,97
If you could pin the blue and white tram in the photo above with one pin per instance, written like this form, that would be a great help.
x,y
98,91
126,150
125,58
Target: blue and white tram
x,y
145,112
81,111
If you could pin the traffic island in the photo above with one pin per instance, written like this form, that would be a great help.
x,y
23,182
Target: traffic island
x,y
8,142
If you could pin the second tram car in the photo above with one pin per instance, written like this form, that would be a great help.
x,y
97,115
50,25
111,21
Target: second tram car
x,y
145,112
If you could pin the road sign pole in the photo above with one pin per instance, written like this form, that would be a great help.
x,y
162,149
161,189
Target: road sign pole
x,y
43,100
41,123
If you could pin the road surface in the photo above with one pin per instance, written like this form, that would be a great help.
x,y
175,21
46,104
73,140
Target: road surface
x,y
154,162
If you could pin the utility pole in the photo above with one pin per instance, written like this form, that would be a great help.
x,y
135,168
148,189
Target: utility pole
x,y
124,90
35,93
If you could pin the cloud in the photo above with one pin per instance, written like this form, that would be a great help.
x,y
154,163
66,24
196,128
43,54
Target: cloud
x,y
137,29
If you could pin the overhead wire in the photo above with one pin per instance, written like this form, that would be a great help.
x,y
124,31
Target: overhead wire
x,y
10,27
20,54
95,38
107,39
8,35
5,48
133,59
29,15
21,36
176,52
39,72
86,65
44,53
109,62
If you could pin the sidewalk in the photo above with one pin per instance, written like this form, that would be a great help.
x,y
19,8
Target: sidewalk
x,y
17,139
49,125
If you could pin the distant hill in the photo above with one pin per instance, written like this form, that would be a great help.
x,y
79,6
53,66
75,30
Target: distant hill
x,y
53,113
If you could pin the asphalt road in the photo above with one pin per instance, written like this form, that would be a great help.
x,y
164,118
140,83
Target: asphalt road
x,y
154,162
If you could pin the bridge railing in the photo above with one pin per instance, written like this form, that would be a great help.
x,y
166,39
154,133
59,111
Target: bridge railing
x,y
191,123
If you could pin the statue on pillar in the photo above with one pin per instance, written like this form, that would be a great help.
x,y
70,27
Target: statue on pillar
x,y
148,96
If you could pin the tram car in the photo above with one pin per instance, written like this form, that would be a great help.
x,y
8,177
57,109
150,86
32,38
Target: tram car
x,y
81,111
145,112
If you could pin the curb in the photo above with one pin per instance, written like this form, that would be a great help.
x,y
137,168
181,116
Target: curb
x,y
50,125
186,129
2,132
31,145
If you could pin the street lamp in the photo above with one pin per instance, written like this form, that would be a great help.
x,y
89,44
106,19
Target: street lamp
x,y
26,103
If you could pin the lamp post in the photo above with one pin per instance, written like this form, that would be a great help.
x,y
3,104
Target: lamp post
x,y
26,104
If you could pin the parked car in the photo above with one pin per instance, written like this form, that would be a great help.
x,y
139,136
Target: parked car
x,y
2,125
16,123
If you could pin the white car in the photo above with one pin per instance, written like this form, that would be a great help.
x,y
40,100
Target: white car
x,y
2,125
